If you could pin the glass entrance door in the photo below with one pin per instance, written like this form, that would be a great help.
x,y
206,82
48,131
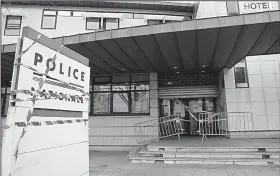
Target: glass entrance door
x,y
196,105
189,124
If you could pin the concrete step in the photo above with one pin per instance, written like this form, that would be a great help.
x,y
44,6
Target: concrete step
x,y
214,161
213,149
208,155
226,155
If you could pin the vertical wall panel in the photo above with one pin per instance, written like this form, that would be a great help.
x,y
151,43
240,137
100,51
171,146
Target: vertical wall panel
x,y
232,8
261,98
208,9
154,107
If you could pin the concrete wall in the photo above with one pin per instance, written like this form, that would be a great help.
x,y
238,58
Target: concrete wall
x,y
70,25
262,98
114,132
189,80
208,9
3,124
117,132
221,100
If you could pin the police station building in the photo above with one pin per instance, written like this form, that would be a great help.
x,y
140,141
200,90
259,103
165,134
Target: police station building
x,y
214,56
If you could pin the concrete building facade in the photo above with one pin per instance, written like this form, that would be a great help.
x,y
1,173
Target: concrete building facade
x,y
127,92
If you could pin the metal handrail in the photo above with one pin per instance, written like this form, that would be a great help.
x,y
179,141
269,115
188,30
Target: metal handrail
x,y
153,119
155,129
171,125
225,123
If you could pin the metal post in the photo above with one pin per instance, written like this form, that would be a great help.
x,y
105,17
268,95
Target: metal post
x,y
0,99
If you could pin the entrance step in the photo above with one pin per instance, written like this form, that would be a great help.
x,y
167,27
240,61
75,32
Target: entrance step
x,y
214,154
207,155
215,161
213,149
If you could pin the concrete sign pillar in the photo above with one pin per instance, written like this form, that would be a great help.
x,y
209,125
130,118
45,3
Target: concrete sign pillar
x,y
46,131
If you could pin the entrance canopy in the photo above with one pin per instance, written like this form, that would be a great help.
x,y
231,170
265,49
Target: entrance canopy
x,y
189,46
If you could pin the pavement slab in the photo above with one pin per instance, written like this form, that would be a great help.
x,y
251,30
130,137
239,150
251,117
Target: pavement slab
x,y
118,164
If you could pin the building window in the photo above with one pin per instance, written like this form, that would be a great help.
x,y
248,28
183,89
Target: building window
x,y
13,25
240,74
153,22
64,13
5,95
49,19
127,15
140,102
223,83
121,94
93,23
110,23
140,16
102,102
120,102
169,21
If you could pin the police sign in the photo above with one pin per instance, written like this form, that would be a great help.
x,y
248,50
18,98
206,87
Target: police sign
x,y
63,68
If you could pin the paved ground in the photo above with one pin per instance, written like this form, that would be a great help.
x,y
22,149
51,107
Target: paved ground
x,y
118,164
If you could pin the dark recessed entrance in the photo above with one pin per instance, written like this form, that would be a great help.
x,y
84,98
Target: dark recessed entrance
x,y
189,124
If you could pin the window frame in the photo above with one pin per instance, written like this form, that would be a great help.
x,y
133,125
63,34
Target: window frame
x,y
71,13
246,75
161,21
7,18
112,113
43,15
112,102
130,105
92,104
104,19
100,21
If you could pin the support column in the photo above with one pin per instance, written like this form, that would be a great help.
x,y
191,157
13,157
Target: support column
x,y
154,105
221,101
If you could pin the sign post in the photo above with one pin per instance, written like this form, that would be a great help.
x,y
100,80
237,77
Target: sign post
x,y
46,128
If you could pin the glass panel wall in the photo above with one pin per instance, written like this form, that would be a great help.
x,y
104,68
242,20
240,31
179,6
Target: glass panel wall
x,y
121,94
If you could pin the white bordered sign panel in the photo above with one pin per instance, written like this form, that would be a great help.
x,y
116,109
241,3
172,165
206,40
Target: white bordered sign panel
x,y
45,144
257,6
65,68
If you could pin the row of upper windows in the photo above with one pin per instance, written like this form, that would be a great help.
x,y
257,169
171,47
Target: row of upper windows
x,y
49,21
92,23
